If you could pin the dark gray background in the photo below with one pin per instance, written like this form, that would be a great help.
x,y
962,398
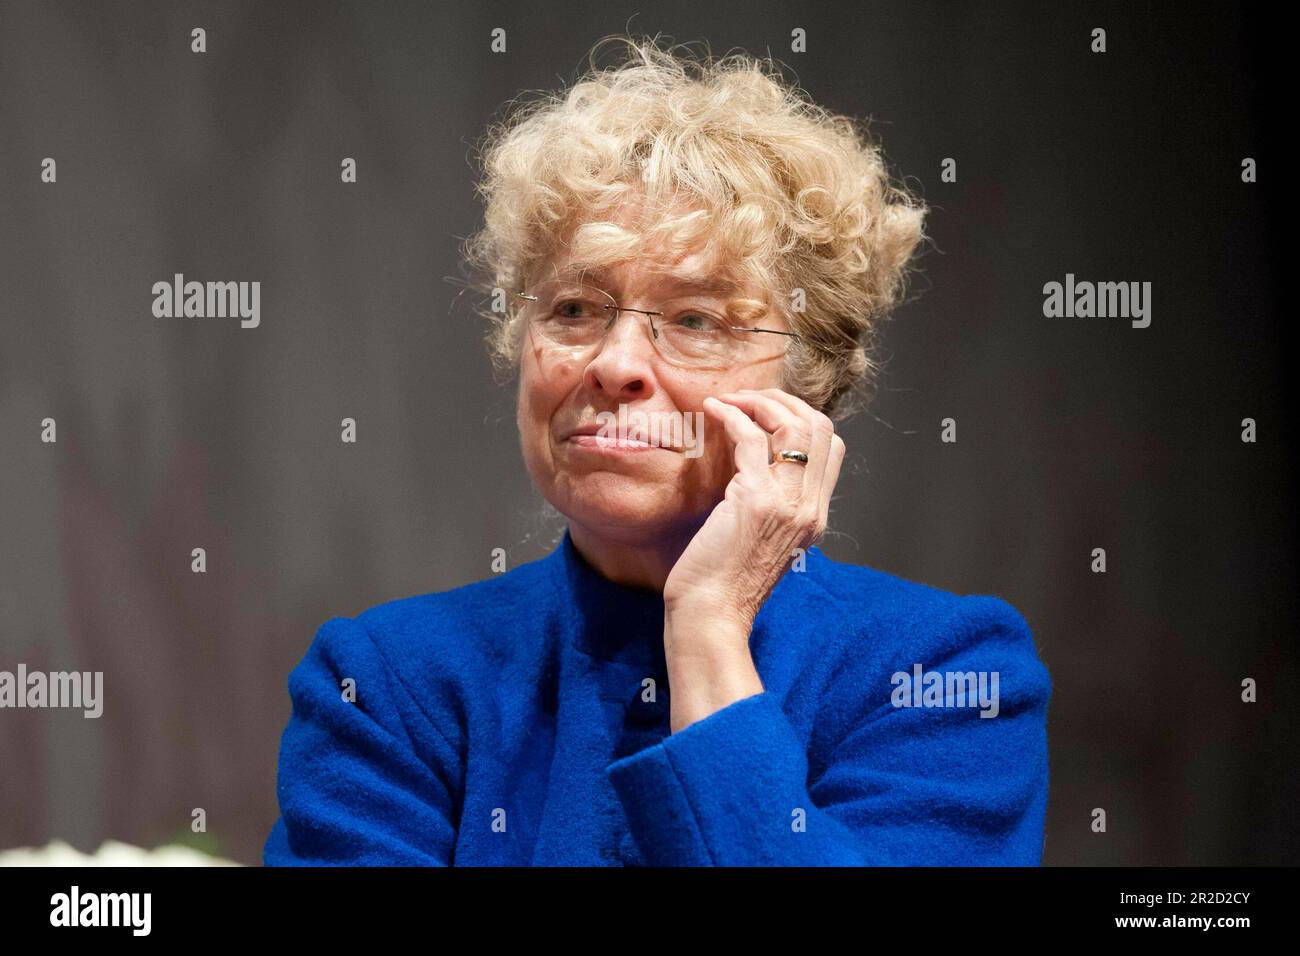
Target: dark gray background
x,y
1073,433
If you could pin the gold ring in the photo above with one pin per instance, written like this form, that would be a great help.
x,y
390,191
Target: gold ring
x,y
796,456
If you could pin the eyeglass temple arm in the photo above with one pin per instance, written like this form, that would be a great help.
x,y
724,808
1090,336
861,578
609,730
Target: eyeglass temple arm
x,y
737,328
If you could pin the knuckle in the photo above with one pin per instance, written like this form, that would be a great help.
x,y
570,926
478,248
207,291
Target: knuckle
x,y
788,511
801,433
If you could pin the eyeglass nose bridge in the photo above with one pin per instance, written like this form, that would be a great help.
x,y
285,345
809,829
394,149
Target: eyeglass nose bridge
x,y
648,313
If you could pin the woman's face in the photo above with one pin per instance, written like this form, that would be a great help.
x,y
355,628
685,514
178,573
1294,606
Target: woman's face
x,y
627,493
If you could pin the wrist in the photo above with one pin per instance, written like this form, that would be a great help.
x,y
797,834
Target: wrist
x,y
700,686
705,634
708,614
709,665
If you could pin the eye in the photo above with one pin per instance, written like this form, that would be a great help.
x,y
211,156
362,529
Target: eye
x,y
571,307
698,322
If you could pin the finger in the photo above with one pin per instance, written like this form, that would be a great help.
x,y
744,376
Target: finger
x,y
750,441
819,453
820,431
788,430
822,427
831,479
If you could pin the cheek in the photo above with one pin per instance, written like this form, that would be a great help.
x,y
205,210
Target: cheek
x,y
547,380
720,459
543,387
530,414
536,387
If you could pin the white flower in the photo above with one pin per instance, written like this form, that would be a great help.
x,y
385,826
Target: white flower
x,y
110,853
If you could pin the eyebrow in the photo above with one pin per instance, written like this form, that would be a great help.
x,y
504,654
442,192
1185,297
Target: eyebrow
x,y
703,283
691,282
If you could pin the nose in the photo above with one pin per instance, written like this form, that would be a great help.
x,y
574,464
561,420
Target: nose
x,y
623,364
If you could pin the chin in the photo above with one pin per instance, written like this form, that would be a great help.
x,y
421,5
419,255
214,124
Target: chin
x,y
608,501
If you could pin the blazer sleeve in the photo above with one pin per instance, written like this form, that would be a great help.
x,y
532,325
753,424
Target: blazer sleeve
x,y
367,782
907,786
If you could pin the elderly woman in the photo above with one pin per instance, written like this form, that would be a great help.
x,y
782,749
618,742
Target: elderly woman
x,y
686,678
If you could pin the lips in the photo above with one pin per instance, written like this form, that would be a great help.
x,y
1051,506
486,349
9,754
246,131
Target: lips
x,y
596,437
592,440
580,430
619,442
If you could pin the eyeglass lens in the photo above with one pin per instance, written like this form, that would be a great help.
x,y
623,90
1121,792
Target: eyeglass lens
x,y
574,315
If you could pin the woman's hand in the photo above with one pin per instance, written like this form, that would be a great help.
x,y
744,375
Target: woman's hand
x,y
769,510
731,565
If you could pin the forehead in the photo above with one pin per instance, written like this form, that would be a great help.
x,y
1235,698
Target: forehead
x,y
682,281
682,278
658,267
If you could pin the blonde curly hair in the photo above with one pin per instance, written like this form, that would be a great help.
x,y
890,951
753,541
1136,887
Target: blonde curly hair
x,y
781,194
